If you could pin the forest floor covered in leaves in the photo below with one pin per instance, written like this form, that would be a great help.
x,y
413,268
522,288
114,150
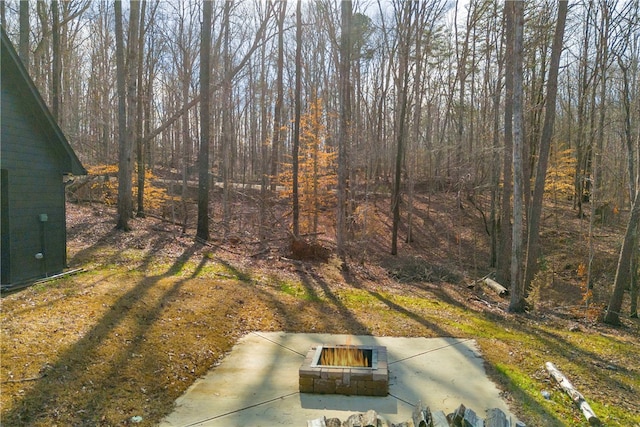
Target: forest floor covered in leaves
x,y
151,310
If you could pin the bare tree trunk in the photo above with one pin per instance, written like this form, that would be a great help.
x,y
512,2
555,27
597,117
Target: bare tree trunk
x,y
634,175
344,137
545,147
461,58
495,169
628,139
635,262
296,123
403,76
132,94
263,148
277,110
582,147
633,310
186,106
605,28
140,112
105,124
147,148
592,162
517,303
124,147
227,116
503,269
418,94
41,59
185,73
3,16
125,169
205,120
622,279
56,66
278,120
25,29
315,129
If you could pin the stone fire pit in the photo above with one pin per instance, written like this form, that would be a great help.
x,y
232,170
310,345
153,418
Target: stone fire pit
x,y
345,369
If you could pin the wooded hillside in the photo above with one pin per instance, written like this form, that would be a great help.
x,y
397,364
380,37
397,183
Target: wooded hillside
x,y
512,107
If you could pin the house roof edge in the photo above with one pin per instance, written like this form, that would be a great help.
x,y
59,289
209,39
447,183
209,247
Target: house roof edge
x,y
76,166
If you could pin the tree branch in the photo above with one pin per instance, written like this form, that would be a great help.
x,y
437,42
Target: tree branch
x,y
235,70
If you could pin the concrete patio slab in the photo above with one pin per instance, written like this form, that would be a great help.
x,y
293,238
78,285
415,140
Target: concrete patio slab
x,y
257,383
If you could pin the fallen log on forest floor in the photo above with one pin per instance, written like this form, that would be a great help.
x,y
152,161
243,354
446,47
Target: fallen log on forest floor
x,y
575,395
497,287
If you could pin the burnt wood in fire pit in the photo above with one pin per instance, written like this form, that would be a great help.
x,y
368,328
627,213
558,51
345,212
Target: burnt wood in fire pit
x,y
370,378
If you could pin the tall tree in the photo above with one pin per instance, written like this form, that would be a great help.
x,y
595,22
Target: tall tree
x,y
3,15
56,66
185,107
25,29
277,109
185,56
622,278
497,36
463,54
607,9
344,136
582,181
503,268
418,94
133,45
626,52
278,128
535,207
517,303
140,152
205,123
227,130
405,28
124,204
125,164
100,88
296,121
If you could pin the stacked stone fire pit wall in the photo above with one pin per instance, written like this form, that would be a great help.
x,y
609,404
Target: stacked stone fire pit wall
x,y
345,380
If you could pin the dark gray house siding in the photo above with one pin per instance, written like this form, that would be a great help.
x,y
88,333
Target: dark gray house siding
x,y
35,156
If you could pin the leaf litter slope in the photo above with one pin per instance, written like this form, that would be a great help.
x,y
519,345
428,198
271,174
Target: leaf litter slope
x,y
153,311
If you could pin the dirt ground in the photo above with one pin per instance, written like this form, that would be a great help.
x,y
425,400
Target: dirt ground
x,y
152,310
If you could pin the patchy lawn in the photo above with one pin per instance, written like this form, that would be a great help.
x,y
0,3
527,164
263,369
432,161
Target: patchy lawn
x,y
154,311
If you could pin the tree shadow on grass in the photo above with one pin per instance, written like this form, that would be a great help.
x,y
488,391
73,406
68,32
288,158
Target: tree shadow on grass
x,y
315,299
237,273
521,395
152,241
562,352
356,283
349,322
91,367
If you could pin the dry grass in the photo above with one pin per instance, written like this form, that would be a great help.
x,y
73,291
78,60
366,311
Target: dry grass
x,y
154,311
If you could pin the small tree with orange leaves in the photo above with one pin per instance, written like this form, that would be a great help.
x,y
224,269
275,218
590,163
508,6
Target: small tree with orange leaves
x,y
559,180
102,185
317,172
